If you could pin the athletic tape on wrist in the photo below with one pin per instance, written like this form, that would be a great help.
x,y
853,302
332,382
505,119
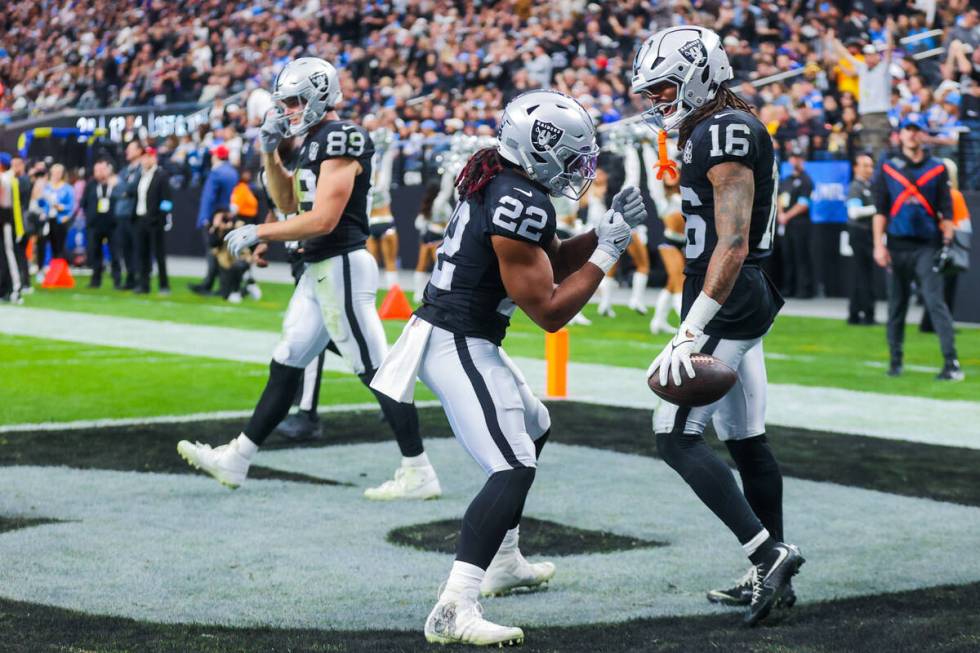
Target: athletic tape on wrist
x,y
702,311
603,260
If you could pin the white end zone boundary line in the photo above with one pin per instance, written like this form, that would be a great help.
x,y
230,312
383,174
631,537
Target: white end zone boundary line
x,y
181,419
896,417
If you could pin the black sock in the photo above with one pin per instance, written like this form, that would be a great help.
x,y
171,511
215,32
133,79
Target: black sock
x,y
762,482
490,514
711,479
538,446
274,404
403,418
316,388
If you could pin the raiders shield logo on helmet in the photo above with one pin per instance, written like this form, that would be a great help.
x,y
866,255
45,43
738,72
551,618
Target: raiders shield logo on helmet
x,y
545,135
694,51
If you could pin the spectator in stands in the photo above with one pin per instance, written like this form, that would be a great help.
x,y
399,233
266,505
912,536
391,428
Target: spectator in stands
x,y
57,204
215,196
100,223
124,205
875,88
860,210
154,204
794,220
915,210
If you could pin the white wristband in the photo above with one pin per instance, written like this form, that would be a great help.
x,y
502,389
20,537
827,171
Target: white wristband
x,y
603,260
702,311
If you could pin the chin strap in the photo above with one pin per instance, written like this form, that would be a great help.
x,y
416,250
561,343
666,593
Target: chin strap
x,y
664,165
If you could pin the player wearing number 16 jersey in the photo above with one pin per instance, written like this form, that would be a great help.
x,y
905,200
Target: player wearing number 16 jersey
x,y
500,252
728,185
334,300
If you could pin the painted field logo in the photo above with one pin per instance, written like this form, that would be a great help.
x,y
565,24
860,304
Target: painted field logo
x,y
545,135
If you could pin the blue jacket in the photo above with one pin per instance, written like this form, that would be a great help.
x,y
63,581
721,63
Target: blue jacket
x,y
217,192
914,197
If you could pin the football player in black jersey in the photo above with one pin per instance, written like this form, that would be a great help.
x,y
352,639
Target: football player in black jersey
x,y
500,252
335,297
728,185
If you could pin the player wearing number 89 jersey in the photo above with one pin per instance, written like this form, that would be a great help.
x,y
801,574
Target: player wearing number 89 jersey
x,y
727,184
334,300
334,139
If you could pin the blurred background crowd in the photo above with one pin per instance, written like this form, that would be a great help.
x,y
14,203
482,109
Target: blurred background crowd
x,y
831,80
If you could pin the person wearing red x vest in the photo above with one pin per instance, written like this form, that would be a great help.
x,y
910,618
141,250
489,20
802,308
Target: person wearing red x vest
x,y
914,220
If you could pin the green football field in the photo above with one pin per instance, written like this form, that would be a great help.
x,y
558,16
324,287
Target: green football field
x,y
63,381
120,546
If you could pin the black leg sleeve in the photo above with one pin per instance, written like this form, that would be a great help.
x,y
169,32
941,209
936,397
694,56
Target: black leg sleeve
x,y
403,418
490,514
275,401
538,446
762,482
711,479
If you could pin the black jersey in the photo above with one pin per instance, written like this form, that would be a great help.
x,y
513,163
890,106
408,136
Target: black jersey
x,y
730,135
466,294
331,140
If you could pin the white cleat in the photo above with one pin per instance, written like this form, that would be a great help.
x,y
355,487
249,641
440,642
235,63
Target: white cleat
x,y
224,463
607,312
419,483
638,307
510,570
254,291
458,621
660,327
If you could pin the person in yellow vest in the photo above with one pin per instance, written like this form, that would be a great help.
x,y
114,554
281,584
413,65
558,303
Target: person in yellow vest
x,y
23,225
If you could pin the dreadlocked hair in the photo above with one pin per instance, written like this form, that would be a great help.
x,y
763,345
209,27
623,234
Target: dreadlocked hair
x,y
478,172
723,99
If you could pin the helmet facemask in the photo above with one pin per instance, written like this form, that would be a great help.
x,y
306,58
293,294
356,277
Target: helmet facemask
x,y
579,171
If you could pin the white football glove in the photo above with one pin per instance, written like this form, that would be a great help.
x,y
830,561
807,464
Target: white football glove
x,y
629,203
687,341
241,239
677,353
273,129
421,224
613,234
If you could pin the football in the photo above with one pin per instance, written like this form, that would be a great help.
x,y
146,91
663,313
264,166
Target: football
x,y
712,380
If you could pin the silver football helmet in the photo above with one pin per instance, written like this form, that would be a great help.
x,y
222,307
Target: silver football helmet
x,y
552,138
690,57
309,86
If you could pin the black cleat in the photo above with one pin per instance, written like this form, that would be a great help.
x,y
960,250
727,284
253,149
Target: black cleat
x,y
740,594
895,368
788,599
770,580
951,371
300,426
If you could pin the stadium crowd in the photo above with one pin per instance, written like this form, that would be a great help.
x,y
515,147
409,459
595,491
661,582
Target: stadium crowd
x,y
444,64
831,80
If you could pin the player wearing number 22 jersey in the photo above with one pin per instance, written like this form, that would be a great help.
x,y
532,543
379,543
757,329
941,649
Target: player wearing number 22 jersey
x,y
728,186
499,252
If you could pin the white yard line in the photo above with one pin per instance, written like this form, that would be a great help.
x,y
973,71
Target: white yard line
x,y
178,419
934,421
